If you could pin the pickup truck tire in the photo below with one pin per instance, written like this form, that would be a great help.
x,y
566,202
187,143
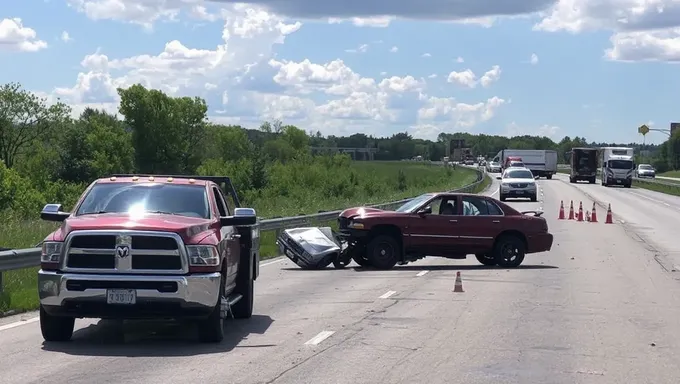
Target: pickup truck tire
x,y
56,328
245,286
383,252
211,329
485,259
509,251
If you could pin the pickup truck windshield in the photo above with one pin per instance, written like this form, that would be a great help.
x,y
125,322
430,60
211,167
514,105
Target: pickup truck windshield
x,y
176,199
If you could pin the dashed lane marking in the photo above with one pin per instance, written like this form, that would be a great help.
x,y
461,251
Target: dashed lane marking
x,y
321,336
422,273
387,294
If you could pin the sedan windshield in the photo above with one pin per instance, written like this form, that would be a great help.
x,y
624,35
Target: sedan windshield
x,y
518,174
414,203
174,199
646,167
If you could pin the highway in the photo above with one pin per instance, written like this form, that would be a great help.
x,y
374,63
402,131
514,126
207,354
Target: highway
x,y
598,308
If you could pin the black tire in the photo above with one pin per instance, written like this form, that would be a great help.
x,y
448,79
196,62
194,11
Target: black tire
x,y
534,198
501,197
627,185
506,245
548,176
211,329
591,181
485,259
361,260
245,286
56,328
340,264
383,252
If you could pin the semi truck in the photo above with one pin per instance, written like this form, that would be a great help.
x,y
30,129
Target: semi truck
x,y
618,165
583,162
541,162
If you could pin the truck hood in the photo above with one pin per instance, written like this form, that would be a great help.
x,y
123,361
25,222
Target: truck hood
x,y
364,212
186,227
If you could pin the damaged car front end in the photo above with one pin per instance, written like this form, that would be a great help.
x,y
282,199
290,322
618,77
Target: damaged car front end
x,y
311,247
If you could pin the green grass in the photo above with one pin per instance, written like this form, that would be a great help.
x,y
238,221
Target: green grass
x,y
675,174
373,183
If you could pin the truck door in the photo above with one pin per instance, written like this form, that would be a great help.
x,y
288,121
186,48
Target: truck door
x,y
230,244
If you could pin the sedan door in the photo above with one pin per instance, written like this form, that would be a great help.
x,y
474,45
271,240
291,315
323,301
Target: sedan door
x,y
480,222
436,233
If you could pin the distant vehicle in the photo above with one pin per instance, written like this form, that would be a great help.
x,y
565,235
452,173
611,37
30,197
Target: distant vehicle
x,y
150,247
515,164
493,167
617,166
541,162
517,183
449,225
645,170
509,160
583,163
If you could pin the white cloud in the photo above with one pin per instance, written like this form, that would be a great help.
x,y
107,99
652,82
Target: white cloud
x,y
460,60
468,78
394,49
551,131
15,37
375,22
662,45
65,37
534,59
432,76
361,49
426,55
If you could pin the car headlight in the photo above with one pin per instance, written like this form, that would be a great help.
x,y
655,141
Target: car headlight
x,y
51,251
203,255
356,225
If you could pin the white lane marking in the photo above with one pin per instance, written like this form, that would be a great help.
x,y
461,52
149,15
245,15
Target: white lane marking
x,y
649,198
387,294
494,193
422,273
35,319
323,335
272,262
18,323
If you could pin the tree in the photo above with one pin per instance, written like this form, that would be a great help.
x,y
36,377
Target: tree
x,y
25,118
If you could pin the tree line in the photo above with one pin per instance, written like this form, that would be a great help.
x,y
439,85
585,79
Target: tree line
x,y
42,144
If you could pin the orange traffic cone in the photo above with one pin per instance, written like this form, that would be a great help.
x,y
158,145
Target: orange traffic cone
x,y
458,285
610,219
561,217
571,210
580,211
593,218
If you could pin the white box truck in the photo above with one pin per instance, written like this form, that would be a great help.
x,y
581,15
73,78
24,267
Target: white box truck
x,y
618,165
541,162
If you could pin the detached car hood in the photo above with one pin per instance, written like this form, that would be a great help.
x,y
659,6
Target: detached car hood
x,y
185,226
363,212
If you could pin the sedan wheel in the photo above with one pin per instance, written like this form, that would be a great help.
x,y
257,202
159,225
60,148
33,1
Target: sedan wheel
x,y
509,252
485,259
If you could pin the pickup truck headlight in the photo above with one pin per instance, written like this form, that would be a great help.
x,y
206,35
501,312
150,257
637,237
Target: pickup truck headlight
x,y
203,255
51,252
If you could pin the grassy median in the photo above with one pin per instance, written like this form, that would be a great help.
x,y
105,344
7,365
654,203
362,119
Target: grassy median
x,y
368,183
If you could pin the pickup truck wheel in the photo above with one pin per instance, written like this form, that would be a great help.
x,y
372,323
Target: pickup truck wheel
x,y
211,329
56,328
245,286
485,259
383,252
509,252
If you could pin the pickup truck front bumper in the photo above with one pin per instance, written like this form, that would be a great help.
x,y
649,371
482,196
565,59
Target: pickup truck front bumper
x,y
87,295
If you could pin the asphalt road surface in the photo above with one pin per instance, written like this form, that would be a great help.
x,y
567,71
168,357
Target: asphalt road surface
x,y
598,308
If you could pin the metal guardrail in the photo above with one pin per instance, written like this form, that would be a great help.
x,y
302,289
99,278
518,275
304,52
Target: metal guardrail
x,y
30,257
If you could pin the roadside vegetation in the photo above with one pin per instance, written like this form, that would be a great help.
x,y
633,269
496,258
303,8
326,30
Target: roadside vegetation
x,y
49,157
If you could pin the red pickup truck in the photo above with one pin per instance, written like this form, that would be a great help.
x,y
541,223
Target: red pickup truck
x,y
150,246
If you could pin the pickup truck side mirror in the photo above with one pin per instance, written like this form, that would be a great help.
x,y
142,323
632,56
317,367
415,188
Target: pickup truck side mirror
x,y
241,217
53,212
425,211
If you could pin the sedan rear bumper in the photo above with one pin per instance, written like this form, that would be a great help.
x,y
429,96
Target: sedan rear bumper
x,y
540,243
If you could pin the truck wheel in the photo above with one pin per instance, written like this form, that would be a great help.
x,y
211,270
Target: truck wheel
x,y
534,198
591,181
211,329
572,180
548,176
383,252
485,259
56,328
245,286
627,185
509,251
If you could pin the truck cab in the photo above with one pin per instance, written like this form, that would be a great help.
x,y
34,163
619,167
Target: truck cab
x,y
618,166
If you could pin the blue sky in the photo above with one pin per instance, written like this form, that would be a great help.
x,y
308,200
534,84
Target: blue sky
x,y
601,67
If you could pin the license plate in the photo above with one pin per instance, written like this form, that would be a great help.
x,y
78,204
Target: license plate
x,y
121,296
520,192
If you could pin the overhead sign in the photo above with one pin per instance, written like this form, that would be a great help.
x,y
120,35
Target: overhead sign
x,y
643,129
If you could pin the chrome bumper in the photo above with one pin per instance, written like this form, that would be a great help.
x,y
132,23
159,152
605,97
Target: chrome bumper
x,y
194,293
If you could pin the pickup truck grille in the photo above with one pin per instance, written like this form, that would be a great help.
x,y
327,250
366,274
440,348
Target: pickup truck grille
x,y
124,252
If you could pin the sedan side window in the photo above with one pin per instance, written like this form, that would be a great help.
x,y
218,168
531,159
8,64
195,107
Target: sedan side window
x,y
475,206
494,210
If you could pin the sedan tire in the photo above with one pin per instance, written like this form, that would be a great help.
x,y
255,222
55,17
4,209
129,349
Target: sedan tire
x,y
509,251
